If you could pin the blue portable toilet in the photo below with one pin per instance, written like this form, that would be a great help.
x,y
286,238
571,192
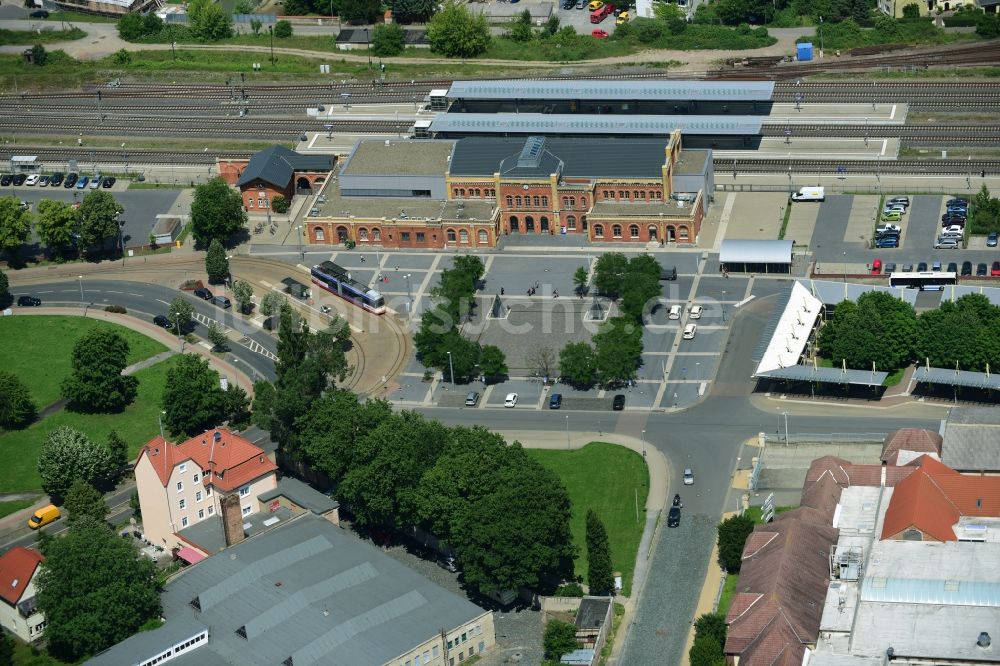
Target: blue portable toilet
x,y
805,51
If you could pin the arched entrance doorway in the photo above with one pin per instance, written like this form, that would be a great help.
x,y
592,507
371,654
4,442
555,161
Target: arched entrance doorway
x,y
341,234
515,226
671,233
652,232
302,184
545,224
529,223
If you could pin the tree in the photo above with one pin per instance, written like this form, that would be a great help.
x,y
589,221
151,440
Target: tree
x,y
492,362
17,409
911,11
520,28
256,25
560,639
68,455
244,7
878,329
578,365
609,274
706,652
95,590
209,21
216,263
359,11
733,533
669,15
216,212
39,56
581,277
180,314
617,351
331,426
84,501
456,33
283,29
118,450
551,25
236,406
193,398
406,11
96,383
99,213
57,223
712,625
243,293
542,360
388,39
279,204
641,285
600,577
15,225
5,297
7,647
133,26
271,304
217,336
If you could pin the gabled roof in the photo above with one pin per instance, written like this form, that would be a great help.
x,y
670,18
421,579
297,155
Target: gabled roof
x,y
934,497
847,474
776,645
910,439
17,566
231,459
276,165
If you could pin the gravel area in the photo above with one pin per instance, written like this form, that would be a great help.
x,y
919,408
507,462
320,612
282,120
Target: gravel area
x,y
664,615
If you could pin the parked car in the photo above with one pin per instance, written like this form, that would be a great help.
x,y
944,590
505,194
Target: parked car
x,y
695,312
936,266
981,270
922,266
222,302
674,516
555,401
904,200
510,400
688,477
876,268
677,501
957,202
991,240
95,181
890,267
618,404
44,181
995,269
892,216
39,14
953,218
70,181
953,229
203,293
887,228
32,180
108,182
895,208
622,18
952,267
56,179
81,184
6,179
966,268
907,268
599,34
43,516
674,312
689,331
887,242
20,178
28,301
163,321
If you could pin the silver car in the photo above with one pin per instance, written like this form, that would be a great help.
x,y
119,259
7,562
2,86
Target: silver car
x,y
946,243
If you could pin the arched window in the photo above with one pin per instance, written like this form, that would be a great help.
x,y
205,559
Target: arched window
x,y
478,192
572,202
250,202
517,201
461,192
484,237
319,234
571,222
633,231
566,203
463,236
536,201
682,232
635,194
341,234
362,234
545,202
377,235
492,193
583,202
598,231
616,230
624,194
451,235
611,194
510,201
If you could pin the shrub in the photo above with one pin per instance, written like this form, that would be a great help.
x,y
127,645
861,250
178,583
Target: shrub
x,y
117,309
388,40
279,204
569,590
283,29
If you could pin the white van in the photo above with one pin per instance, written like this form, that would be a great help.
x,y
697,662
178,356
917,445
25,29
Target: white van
x,y
675,312
810,194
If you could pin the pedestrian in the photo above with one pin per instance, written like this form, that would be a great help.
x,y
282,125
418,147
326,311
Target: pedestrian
x,y
501,291
555,293
537,286
362,258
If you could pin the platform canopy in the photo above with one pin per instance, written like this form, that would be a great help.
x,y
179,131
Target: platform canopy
x,y
755,252
599,89
791,331
951,377
571,123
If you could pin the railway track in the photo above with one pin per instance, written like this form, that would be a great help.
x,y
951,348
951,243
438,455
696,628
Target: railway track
x,y
905,167
953,134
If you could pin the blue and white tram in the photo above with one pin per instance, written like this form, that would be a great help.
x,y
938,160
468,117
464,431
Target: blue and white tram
x,y
336,280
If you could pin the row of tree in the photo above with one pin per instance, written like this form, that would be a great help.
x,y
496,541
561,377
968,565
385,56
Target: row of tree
x,y
985,212
885,331
439,342
59,224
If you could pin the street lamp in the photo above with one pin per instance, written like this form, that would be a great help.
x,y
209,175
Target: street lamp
x,y
452,369
567,431
124,157
409,298
368,42
80,279
723,306
302,252
845,265
820,36
270,30
785,414
643,444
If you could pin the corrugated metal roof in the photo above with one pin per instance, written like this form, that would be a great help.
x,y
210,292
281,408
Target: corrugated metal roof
x,y
807,373
596,89
832,293
569,123
741,251
951,377
915,591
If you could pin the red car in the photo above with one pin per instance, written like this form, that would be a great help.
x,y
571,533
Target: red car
x,y
995,269
877,266
599,34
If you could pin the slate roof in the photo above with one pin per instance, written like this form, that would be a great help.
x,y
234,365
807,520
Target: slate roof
x,y
577,157
232,460
17,566
306,591
910,439
302,494
593,611
276,165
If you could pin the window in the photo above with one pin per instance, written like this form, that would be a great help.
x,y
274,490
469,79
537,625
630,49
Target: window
x,y
572,202
182,503
482,645
451,644
478,192
635,194
244,491
624,194
683,233
183,468
583,202
434,651
197,496
492,193
180,486
318,233
362,234
484,237
461,657
598,231
633,231
262,203
377,235
545,202
616,230
405,236
249,203
451,661
201,514
510,201
211,510
571,222
208,491
566,203
537,201
611,194
196,478
463,638
463,236
421,237
451,235
461,192
184,521
247,510
427,656
517,201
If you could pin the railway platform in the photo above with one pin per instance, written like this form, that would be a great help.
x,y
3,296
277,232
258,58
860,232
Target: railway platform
x,y
838,114
799,148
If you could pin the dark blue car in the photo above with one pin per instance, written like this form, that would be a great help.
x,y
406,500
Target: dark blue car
x,y
555,401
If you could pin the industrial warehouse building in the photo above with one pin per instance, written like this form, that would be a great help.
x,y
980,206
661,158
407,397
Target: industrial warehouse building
x,y
469,192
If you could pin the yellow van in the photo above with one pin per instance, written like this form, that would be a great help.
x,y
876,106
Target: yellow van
x,y
43,516
595,5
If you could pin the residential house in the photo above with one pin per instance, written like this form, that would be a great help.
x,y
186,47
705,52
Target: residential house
x,y
18,613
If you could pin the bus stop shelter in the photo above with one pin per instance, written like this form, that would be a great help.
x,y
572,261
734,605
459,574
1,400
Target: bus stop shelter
x,y
755,256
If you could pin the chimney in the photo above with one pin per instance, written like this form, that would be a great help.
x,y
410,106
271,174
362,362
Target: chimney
x,y
232,518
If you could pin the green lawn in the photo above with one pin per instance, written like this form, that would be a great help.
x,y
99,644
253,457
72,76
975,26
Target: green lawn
x,y
30,37
38,350
137,424
7,508
25,655
728,592
603,477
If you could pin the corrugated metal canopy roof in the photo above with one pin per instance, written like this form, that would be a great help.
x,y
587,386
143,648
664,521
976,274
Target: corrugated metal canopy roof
x,y
570,123
953,292
755,252
831,292
596,89
806,373
952,377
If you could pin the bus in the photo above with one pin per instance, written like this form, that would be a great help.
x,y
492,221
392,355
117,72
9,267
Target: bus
x,y
924,280
336,280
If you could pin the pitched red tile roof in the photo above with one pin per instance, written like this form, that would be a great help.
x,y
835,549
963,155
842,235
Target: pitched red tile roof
x,y
823,495
17,566
741,603
934,497
847,474
910,439
776,645
232,459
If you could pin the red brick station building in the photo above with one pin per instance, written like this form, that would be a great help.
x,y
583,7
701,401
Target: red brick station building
x,y
467,193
